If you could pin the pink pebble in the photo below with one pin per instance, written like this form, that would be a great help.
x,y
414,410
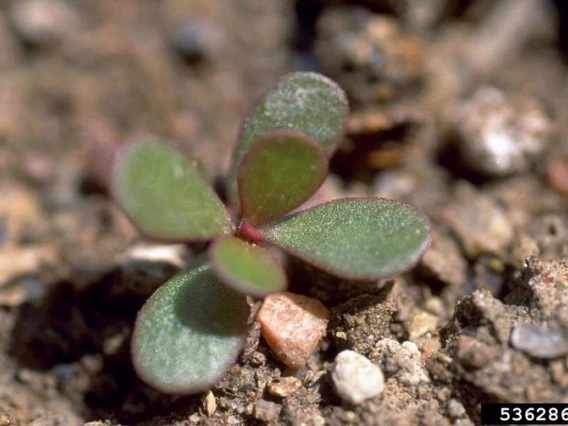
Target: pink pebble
x,y
292,325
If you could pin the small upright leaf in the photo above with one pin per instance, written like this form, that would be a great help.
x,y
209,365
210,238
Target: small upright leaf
x,y
358,238
281,170
305,101
246,267
189,332
166,196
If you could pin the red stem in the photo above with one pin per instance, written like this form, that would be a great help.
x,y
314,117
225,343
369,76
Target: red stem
x,y
250,233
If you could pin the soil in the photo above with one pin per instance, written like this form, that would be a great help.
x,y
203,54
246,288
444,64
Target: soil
x,y
430,83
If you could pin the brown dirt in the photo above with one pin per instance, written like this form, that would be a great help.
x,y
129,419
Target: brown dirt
x,y
107,70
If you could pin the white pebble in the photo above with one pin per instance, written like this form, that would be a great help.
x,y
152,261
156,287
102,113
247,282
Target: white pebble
x,y
41,22
174,254
500,134
356,378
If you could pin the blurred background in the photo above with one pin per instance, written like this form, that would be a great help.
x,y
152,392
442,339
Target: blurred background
x,y
454,103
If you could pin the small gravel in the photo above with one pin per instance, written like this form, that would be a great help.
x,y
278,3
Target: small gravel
x,y
500,134
355,378
403,361
285,386
538,342
198,40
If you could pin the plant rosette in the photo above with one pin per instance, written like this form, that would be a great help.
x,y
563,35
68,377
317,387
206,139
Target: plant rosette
x,y
191,330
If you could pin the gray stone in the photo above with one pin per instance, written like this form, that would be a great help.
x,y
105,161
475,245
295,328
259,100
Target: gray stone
x,y
539,342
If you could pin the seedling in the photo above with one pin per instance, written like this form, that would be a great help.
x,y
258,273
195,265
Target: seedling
x,y
191,330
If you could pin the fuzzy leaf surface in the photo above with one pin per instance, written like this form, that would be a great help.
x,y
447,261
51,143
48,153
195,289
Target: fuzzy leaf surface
x,y
248,268
165,195
305,101
281,170
358,238
189,332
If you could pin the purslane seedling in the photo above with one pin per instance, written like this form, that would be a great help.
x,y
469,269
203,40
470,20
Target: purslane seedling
x,y
191,330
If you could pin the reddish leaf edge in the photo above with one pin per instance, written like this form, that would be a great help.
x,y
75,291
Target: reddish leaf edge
x,y
230,282
324,268
176,390
264,139
334,146
321,77
113,188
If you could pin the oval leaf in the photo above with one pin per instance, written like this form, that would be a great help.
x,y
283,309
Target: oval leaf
x,y
359,238
189,332
282,169
166,196
246,267
305,101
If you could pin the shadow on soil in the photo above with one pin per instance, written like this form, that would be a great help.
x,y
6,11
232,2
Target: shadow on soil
x,y
82,337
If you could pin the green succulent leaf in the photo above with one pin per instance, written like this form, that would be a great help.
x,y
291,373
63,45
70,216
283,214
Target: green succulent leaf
x,y
165,195
305,101
358,238
189,332
282,169
248,268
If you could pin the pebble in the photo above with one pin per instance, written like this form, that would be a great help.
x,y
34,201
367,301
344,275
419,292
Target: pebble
x,y
198,40
456,409
285,386
292,325
5,420
498,134
404,361
423,323
355,378
538,342
43,22
435,305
